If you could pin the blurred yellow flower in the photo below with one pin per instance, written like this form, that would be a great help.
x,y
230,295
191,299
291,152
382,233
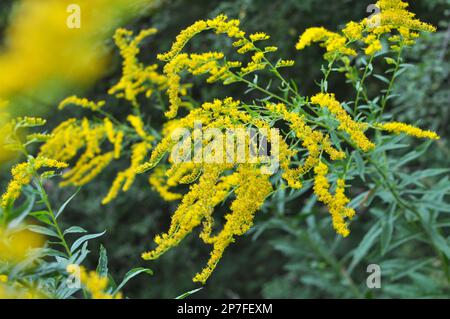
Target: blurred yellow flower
x,y
14,245
42,47
95,284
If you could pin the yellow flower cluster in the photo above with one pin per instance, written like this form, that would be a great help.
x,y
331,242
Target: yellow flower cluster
x,y
334,43
160,183
95,285
255,64
314,141
81,102
28,121
15,245
393,16
212,63
195,205
195,64
373,44
22,175
220,24
198,205
136,78
125,179
250,195
259,36
353,30
72,136
284,63
219,114
92,161
355,130
398,127
337,203
41,137
138,125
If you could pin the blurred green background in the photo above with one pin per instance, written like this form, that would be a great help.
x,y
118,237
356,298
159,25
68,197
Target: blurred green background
x,y
292,251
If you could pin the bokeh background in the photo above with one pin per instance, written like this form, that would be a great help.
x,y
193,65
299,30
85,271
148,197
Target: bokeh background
x,y
292,251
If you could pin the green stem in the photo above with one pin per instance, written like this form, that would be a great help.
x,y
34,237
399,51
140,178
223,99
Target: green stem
x,y
257,87
391,83
361,85
327,74
47,204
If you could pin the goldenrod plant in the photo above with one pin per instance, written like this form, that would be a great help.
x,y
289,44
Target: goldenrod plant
x,y
36,260
317,142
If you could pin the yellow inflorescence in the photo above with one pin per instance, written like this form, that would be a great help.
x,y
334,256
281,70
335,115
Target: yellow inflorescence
x,y
284,63
23,173
353,30
159,183
195,205
250,195
94,284
126,178
314,141
393,16
333,42
220,24
138,125
81,102
337,203
398,127
136,78
373,44
354,129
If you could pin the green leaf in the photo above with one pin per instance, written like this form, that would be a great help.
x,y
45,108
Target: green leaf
x,y
132,273
366,243
43,216
387,228
80,255
439,241
412,155
81,240
429,172
42,230
382,78
359,165
102,267
24,211
75,229
63,206
436,206
189,293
